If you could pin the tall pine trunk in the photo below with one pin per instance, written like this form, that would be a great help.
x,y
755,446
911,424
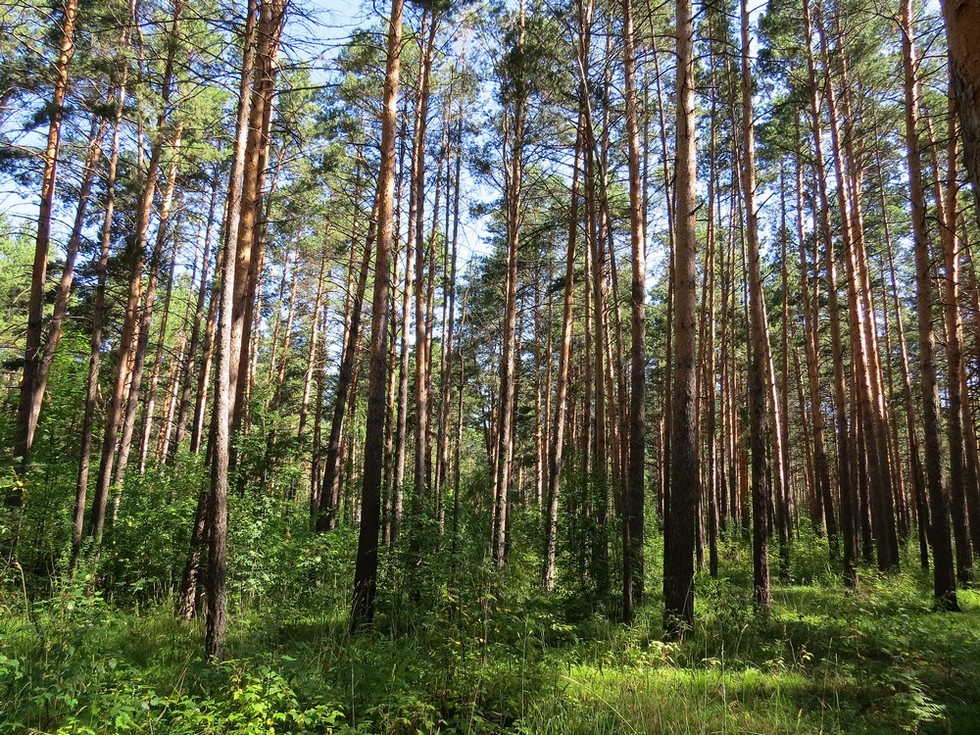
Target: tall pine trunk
x,y
366,565
684,489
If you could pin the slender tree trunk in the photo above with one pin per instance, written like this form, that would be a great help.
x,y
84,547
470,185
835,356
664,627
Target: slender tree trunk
x,y
191,362
556,446
964,514
143,327
821,466
127,340
207,360
759,410
423,458
149,404
914,451
871,410
708,375
942,552
327,510
449,314
99,306
250,241
366,568
848,497
274,357
31,389
513,180
215,508
314,341
404,356
287,337
68,273
600,463
634,495
684,482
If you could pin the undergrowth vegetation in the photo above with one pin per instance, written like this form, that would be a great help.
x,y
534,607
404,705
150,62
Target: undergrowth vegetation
x,y
459,648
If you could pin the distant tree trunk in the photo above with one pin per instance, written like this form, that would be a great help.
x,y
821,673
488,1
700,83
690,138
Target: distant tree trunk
x,y
679,524
178,360
633,497
31,391
601,380
707,361
944,581
319,379
149,400
366,566
963,511
329,501
423,459
312,343
274,357
207,360
821,466
282,364
845,474
513,180
404,356
180,422
99,306
557,443
727,456
145,317
449,306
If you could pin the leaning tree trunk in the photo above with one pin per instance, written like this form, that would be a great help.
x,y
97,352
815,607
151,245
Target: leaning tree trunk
x,y
143,327
329,500
99,305
31,390
131,316
68,272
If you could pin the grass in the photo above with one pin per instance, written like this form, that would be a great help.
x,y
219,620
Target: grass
x,y
496,656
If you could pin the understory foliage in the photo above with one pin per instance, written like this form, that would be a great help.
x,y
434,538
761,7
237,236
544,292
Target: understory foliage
x,y
458,648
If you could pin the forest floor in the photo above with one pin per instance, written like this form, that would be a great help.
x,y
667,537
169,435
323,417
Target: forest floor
x,y
477,653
